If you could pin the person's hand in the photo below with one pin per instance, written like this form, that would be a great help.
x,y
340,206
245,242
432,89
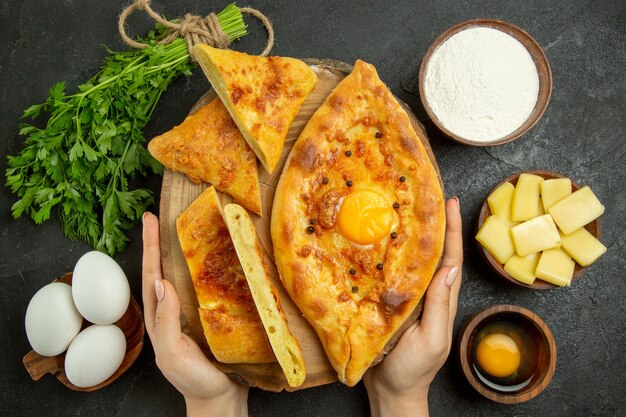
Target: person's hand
x,y
207,391
398,386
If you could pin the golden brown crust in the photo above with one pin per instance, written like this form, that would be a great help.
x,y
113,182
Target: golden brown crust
x,y
208,147
262,94
285,346
355,315
231,322
234,338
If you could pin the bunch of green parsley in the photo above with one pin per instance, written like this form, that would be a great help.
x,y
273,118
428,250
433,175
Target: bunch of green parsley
x,y
92,144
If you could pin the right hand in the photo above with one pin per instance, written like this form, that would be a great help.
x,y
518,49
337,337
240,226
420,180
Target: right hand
x,y
399,385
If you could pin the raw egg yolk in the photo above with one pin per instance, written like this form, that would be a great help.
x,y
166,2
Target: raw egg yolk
x,y
498,355
364,217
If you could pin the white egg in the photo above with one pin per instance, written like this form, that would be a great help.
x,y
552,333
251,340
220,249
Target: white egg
x,y
94,355
52,320
100,288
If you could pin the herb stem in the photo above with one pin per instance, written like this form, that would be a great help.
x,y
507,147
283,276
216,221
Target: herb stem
x,y
57,116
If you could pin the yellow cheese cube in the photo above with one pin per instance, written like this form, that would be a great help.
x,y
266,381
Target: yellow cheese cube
x,y
500,201
555,190
522,268
555,266
525,205
495,236
535,235
582,246
576,210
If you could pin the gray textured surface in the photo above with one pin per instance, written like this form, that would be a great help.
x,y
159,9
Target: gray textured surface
x,y
582,134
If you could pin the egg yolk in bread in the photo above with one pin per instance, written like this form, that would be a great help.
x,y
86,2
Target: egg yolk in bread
x,y
498,355
365,217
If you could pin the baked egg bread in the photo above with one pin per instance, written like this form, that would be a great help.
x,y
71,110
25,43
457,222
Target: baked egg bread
x,y
208,147
358,222
230,320
262,94
285,345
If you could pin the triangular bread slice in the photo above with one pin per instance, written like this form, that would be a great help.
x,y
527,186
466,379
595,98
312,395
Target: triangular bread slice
x,y
262,94
208,147
285,346
231,323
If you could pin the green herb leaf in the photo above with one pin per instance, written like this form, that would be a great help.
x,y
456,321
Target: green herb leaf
x,y
32,112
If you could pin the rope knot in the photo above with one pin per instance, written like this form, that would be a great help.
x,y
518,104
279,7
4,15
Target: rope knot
x,y
194,29
220,38
187,24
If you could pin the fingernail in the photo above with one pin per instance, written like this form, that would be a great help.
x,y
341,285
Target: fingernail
x,y
458,203
159,289
143,218
451,277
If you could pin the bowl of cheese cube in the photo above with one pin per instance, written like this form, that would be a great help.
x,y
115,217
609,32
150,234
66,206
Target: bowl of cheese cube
x,y
539,229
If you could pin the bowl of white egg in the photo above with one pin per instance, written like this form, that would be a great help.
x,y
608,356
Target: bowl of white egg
x,y
485,82
85,328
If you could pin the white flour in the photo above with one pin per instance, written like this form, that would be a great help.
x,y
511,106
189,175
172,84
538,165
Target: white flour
x,y
482,84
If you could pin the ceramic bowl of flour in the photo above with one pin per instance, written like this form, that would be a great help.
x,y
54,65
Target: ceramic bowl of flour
x,y
485,82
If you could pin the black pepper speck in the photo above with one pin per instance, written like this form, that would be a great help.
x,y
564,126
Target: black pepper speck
x,y
352,271
355,289
349,183
396,205
310,229
325,180
379,135
379,266
402,178
394,235
348,153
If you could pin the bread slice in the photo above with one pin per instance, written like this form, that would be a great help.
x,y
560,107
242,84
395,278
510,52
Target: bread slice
x,y
208,147
262,94
286,347
227,311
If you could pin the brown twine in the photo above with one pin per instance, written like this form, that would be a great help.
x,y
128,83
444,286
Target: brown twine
x,y
194,29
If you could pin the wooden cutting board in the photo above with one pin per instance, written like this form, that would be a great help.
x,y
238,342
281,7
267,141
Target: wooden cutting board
x,y
178,192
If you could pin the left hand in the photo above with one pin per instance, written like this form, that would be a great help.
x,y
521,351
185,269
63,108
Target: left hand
x,y
207,391
399,385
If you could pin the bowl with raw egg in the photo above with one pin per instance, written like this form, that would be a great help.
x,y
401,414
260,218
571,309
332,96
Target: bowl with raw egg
x,y
507,353
539,229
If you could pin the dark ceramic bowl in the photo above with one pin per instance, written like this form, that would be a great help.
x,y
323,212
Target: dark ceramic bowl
x,y
545,348
535,51
593,228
